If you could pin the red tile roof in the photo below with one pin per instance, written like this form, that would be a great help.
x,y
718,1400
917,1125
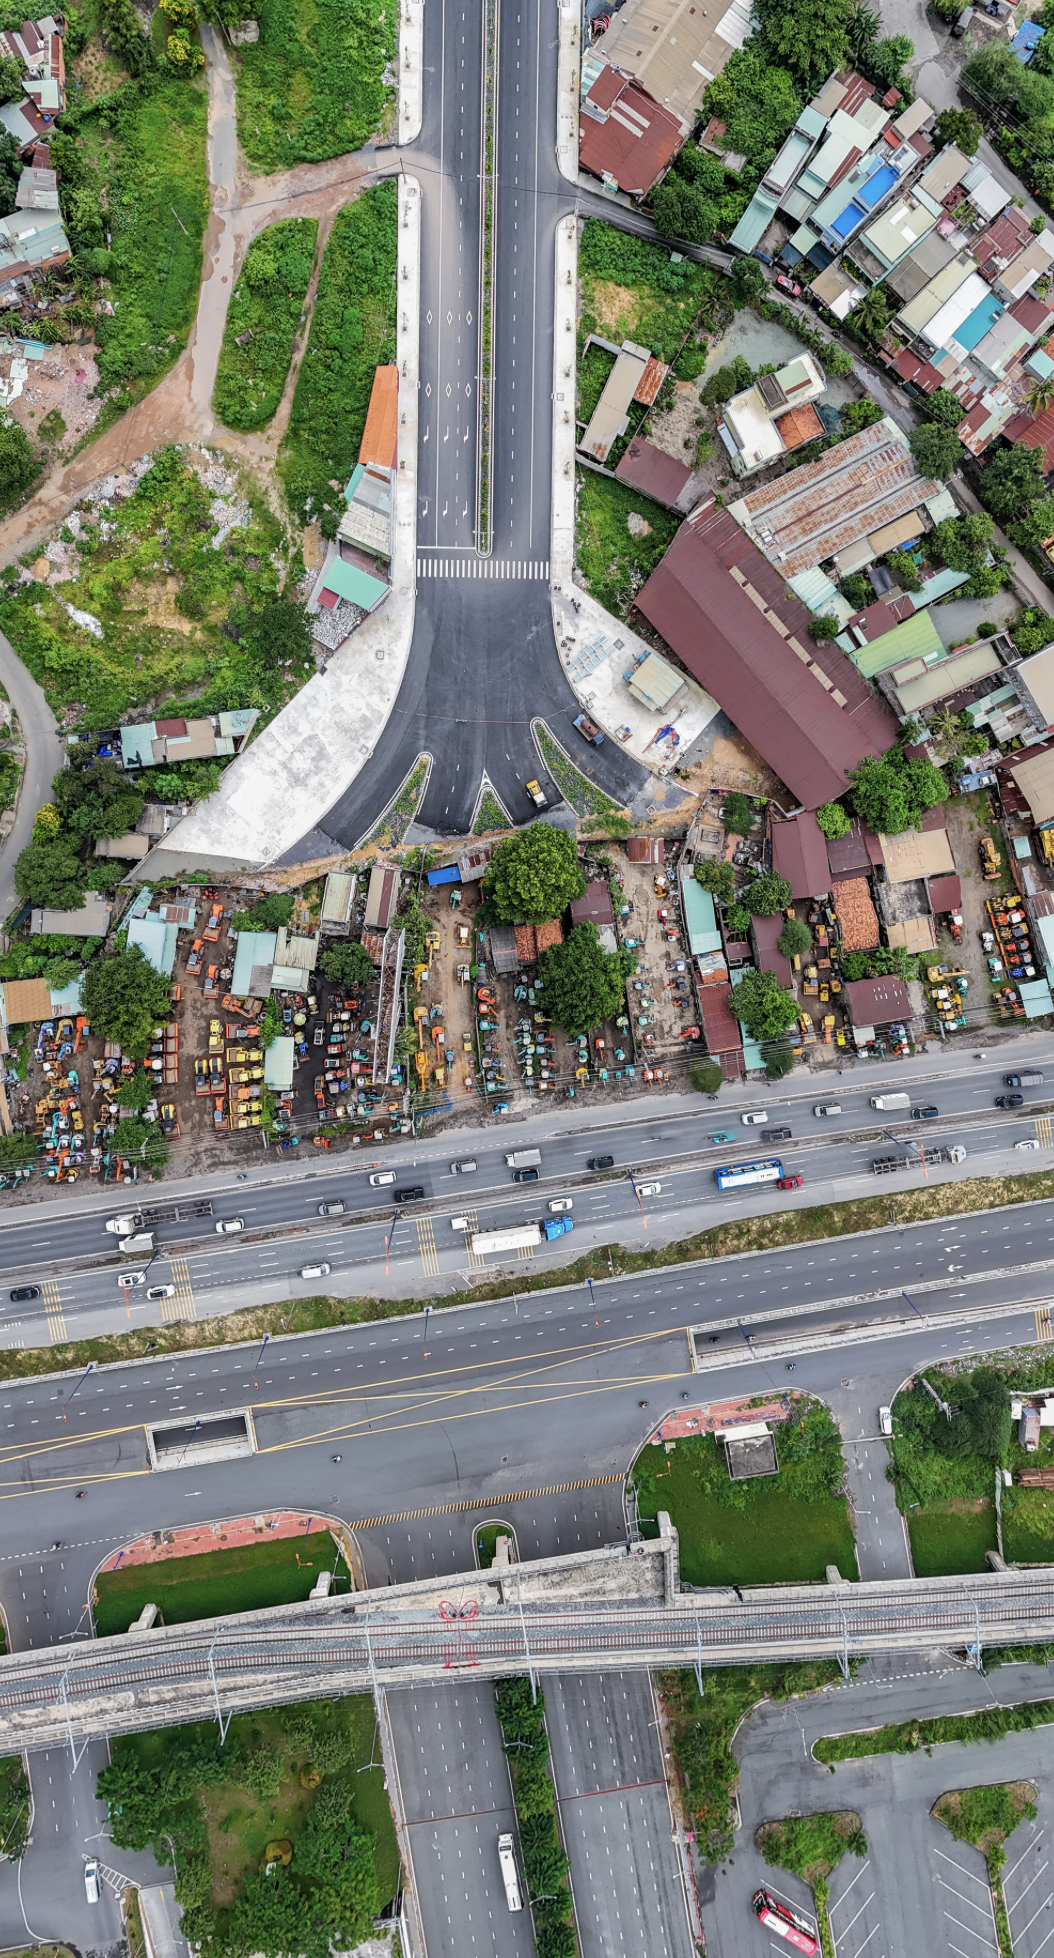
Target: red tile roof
x,y
1001,242
1035,433
653,471
526,944
799,853
650,382
800,425
737,648
636,138
719,1024
546,936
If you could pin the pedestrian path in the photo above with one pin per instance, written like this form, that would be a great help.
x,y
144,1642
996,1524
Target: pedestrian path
x,y
482,567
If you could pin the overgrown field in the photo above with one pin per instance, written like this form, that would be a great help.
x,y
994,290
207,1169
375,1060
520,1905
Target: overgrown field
x,y
352,332
178,623
266,304
312,85
613,562
282,1837
776,1529
251,1577
630,290
133,166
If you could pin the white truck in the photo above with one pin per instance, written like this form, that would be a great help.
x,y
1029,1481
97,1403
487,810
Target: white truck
x,y
138,1243
519,1237
523,1158
890,1101
509,1873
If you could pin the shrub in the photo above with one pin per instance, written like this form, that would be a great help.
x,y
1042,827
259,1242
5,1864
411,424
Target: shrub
x,y
833,820
265,303
795,939
705,1077
716,876
767,895
737,814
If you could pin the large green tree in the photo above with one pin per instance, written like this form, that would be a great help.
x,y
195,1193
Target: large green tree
x,y
892,792
962,543
716,876
763,1006
1014,478
95,798
767,895
795,939
584,985
833,820
125,999
936,451
49,873
534,875
961,127
348,965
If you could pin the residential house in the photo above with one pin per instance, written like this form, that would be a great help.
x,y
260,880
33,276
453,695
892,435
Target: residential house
x,y
876,1002
727,616
799,854
916,684
338,903
131,847
158,744
635,376
92,920
915,854
724,1041
646,849
31,241
625,137
674,49
647,468
895,234
774,416
38,185
37,47
355,578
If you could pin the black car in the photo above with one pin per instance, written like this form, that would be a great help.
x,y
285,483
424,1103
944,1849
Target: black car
x,y
525,1176
23,1293
1009,1101
923,1114
408,1196
775,1135
601,1162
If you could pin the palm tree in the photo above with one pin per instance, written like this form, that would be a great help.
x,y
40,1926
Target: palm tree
x,y
871,317
1040,395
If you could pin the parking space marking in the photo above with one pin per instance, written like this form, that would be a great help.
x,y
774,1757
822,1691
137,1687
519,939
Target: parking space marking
x,y
1019,1889
865,1936
983,1909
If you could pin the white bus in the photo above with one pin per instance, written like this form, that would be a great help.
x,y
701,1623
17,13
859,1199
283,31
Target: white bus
x,y
511,1880
735,1174
519,1237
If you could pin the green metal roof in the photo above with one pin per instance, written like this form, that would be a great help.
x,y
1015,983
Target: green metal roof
x,y
914,638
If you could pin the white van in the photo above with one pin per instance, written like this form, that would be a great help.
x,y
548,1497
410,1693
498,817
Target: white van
x,y
891,1101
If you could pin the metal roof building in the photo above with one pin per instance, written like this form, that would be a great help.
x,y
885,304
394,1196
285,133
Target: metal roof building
x,y
675,49
799,853
841,506
624,134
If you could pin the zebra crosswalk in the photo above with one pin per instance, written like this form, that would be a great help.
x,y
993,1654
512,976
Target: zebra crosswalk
x,y
482,567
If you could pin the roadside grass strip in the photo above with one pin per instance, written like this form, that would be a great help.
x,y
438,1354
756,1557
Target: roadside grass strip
x,y
251,1577
984,1818
811,1847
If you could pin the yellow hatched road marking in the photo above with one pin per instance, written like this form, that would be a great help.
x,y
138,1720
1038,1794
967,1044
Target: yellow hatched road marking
x,y
472,1226
426,1244
481,1502
184,1305
1043,1131
525,1251
52,1295
57,1328
1044,1331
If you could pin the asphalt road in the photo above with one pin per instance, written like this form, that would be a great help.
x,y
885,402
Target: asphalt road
x,y
483,663
44,757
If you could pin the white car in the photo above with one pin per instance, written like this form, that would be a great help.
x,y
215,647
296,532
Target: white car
x,y
459,1223
335,1209
230,1224
91,1881
1030,1144
885,1420
463,1169
161,1292
382,1176
562,1203
314,1271
759,1115
649,1189
126,1279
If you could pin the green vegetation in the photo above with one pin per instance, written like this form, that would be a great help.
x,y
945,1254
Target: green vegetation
x,y
705,1077
781,1529
697,198
886,961
521,1717
132,165
985,1817
485,1539
961,127
269,913
631,290
584,985
125,998
533,876
795,939
280,1843
943,1470
738,814
613,562
490,814
219,652
763,1006
251,1577
812,1846
395,822
891,792
935,451
312,86
266,305
766,895
14,1808
702,1726
348,964
908,1736
352,332
717,877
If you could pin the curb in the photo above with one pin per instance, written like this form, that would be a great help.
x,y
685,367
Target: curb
x,y
568,72
411,72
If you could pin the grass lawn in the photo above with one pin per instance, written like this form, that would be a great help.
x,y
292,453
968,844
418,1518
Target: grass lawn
x,y
312,86
1028,1527
486,1537
249,1578
777,1529
952,1537
352,331
615,564
631,290
265,304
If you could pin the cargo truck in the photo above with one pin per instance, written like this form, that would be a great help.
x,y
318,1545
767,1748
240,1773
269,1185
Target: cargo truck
x,y
520,1237
523,1158
149,1215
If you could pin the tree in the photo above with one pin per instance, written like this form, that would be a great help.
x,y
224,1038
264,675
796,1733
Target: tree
x,y
824,626
779,1060
858,415
737,813
278,635
682,210
1031,530
961,127
758,104
833,820
935,451
762,1006
886,59
584,985
534,875
962,543
944,407
1040,394
50,874
1013,478
737,921
810,38
269,913
136,1091
705,1077
120,28
1032,631
125,999
10,78
724,382
348,965
856,590
795,939
94,798
767,895
716,876
226,13
747,281
891,792
883,962
17,465
870,317
994,75
903,568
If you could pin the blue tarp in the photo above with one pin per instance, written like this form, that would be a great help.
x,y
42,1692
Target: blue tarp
x,y
450,874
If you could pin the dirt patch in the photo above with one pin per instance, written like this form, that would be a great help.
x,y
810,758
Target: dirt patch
x,y
312,547
93,74
729,762
614,306
59,387
676,432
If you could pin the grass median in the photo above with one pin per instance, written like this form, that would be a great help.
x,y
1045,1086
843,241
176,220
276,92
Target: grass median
x,y
250,1577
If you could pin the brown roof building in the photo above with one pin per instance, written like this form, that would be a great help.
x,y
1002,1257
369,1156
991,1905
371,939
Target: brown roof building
x,y
719,1022
856,915
874,1002
625,134
853,494
382,897
382,417
945,893
799,853
726,613
765,933
25,1000
645,849
850,852
650,469
594,906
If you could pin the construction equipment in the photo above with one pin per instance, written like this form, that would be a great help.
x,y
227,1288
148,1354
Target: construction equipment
x,y
991,867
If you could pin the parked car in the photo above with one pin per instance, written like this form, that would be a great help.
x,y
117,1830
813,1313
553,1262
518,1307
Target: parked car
x,y
923,1114
161,1292
525,1176
790,1182
335,1209
91,1880
1009,1101
382,1176
562,1203
463,1169
751,1121
601,1162
226,1224
788,285
775,1135
588,729
649,1189
885,1420
765,257
412,1194
315,1271
23,1293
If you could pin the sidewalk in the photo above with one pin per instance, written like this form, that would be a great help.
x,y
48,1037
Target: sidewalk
x,y
569,67
411,70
